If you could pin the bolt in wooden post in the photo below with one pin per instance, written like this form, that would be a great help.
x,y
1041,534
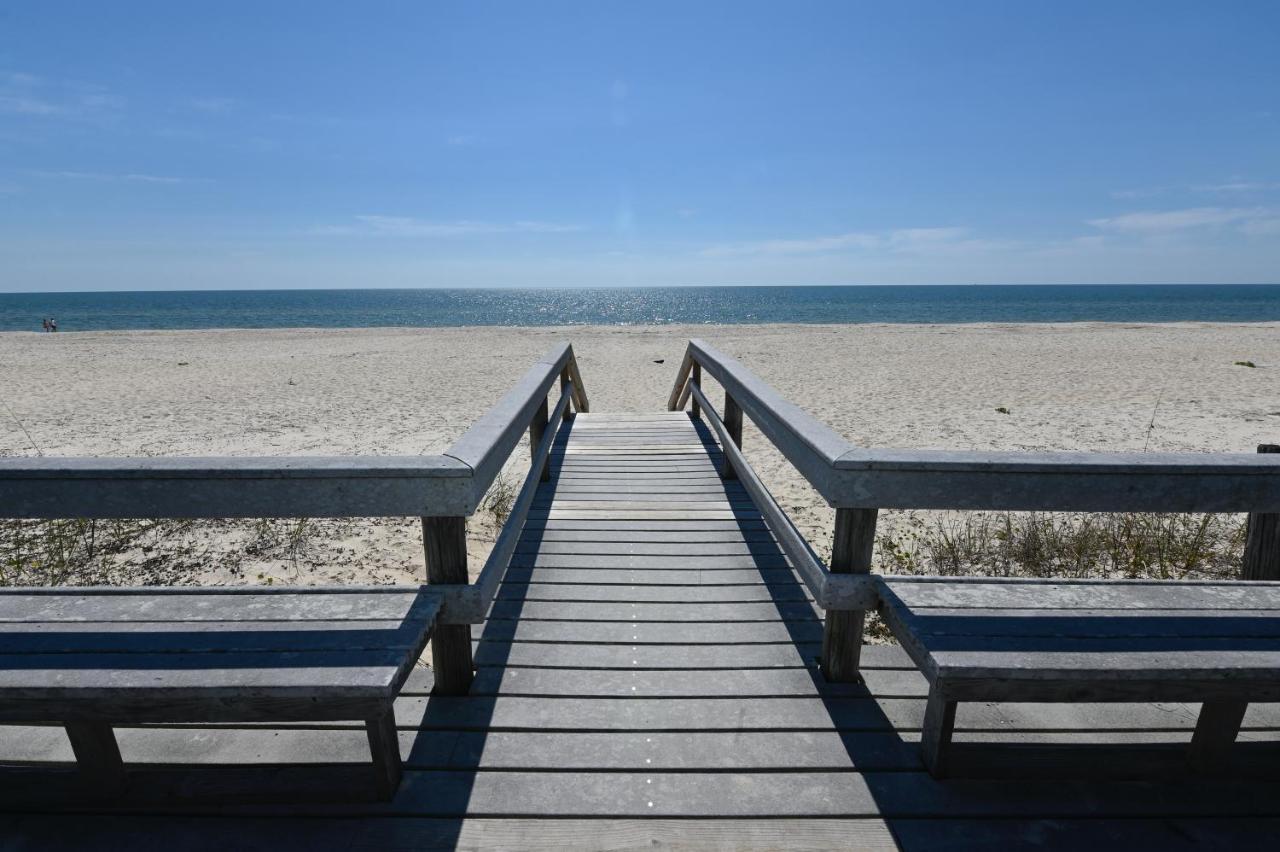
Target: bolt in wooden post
x,y
444,540
538,428
851,546
1262,540
733,425
696,378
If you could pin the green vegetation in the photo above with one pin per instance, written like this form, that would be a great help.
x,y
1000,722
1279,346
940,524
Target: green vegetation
x,y
1003,410
1245,364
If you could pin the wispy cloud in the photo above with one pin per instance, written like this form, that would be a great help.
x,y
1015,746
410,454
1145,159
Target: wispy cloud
x,y
133,177
406,226
1237,186
32,96
1163,221
212,105
899,241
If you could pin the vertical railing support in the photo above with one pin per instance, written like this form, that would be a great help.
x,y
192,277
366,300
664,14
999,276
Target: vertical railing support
x,y
538,428
444,541
1262,540
696,378
733,425
851,547
565,381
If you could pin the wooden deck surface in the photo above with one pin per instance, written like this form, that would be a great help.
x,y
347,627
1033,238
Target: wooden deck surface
x,y
648,675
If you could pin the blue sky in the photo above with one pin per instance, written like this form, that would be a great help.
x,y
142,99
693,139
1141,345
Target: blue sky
x,y
293,144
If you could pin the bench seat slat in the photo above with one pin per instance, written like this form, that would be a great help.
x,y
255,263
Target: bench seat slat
x,y
196,637
196,606
1096,595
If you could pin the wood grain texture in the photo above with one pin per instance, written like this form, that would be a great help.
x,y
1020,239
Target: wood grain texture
x,y
444,541
1262,539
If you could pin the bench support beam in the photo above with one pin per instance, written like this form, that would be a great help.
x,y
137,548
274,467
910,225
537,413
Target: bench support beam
x,y
97,754
384,745
935,738
851,547
1216,730
445,542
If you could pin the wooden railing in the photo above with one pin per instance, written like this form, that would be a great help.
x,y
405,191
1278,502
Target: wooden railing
x,y
858,482
442,490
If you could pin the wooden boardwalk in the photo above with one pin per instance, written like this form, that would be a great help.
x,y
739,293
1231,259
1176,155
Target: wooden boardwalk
x,y
648,673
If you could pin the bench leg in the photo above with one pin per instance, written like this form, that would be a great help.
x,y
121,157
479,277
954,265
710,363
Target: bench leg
x,y
97,754
384,745
1215,732
935,739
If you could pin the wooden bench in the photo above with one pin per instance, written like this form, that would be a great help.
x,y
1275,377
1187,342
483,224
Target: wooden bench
x,y
978,639
90,659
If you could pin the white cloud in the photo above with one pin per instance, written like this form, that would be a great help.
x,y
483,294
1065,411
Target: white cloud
x,y
29,95
406,226
1238,186
899,241
1261,227
133,177
213,105
1153,222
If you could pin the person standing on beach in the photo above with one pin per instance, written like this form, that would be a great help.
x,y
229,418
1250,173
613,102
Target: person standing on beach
x,y
53,324
44,323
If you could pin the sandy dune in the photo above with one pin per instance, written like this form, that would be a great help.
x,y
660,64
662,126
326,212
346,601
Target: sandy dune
x,y
410,391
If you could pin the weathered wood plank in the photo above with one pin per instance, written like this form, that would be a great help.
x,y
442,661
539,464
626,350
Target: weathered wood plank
x,y
689,633
69,605
669,593
269,487
655,561
650,577
652,611
613,656
1086,594
444,541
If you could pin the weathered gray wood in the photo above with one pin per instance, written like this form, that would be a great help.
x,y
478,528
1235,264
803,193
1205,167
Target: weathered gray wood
x,y
487,445
384,746
851,548
97,755
1262,539
682,376
571,611
935,741
247,604
1215,733
732,425
537,428
274,487
471,607
695,379
1083,482
666,657
444,541
988,593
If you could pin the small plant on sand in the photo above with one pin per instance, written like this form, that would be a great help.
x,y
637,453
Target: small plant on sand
x,y
1003,410
500,498
1245,364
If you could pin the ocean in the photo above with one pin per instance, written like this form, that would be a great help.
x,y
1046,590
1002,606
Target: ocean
x,y
639,306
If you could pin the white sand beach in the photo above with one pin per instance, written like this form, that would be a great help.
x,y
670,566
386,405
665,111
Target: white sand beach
x,y
1088,386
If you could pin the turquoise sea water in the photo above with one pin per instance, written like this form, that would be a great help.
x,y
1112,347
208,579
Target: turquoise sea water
x,y
639,306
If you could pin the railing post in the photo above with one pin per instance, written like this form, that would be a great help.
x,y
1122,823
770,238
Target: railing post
x,y
444,541
565,381
1262,540
538,428
732,424
842,633
696,377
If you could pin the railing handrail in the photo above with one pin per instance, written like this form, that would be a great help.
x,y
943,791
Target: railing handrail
x,y
452,483
848,476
